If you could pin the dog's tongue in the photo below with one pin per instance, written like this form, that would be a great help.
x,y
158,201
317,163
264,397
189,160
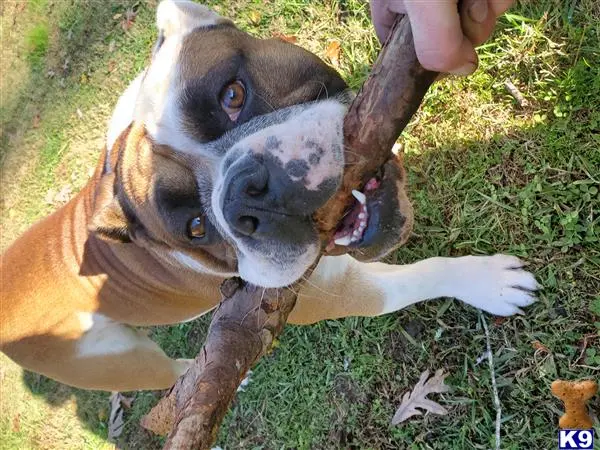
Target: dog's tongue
x,y
354,223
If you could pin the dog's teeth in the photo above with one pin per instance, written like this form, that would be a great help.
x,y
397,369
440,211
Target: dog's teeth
x,y
362,198
356,233
361,216
344,240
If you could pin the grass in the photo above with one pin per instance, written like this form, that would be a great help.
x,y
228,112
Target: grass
x,y
485,176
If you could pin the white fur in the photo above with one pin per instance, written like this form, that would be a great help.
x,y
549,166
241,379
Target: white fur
x,y
186,260
122,116
179,17
496,284
104,336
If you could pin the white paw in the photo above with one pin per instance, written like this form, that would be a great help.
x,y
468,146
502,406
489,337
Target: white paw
x,y
496,284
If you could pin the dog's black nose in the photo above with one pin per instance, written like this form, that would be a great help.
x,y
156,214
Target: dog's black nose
x,y
262,201
250,182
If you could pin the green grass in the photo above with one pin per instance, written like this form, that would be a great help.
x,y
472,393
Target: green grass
x,y
485,176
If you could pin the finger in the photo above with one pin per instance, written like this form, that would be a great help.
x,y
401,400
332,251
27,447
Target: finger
x,y
477,20
439,40
382,18
499,7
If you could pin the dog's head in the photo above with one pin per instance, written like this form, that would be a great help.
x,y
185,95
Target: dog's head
x,y
237,142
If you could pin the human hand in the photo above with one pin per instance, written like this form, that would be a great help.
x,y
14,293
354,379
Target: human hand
x,y
445,38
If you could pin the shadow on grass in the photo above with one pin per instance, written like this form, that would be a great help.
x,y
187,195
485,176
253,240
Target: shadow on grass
x,y
58,55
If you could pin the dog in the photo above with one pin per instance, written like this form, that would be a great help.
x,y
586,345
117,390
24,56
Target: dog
x,y
217,156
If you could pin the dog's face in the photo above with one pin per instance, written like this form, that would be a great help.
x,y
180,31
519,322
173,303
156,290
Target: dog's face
x,y
237,142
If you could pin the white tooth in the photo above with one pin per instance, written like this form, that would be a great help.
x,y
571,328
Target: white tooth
x,y
361,216
356,233
359,196
344,240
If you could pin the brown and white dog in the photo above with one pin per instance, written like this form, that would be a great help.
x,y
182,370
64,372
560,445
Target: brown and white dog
x,y
218,154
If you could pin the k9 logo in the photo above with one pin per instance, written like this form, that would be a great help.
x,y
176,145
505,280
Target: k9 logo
x,y
575,439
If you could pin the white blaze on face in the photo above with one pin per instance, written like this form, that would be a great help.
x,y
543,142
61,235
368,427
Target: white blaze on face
x,y
308,145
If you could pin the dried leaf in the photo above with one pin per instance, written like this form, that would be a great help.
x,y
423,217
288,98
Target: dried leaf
x,y
56,198
417,398
50,194
128,20
115,420
537,345
36,121
333,52
255,17
64,195
285,37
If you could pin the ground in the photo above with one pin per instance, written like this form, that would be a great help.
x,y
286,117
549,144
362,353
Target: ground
x,y
486,175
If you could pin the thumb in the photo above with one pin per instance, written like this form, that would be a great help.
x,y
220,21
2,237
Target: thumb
x,y
439,40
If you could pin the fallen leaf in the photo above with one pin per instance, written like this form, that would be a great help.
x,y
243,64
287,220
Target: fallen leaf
x,y
64,195
127,21
36,121
417,398
50,194
499,321
537,345
255,17
115,420
333,52
285,37
16,423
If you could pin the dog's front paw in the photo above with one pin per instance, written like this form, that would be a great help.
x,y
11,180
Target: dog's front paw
x,y
496,284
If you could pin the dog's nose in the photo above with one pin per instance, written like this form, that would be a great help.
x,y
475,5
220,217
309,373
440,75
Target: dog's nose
x,y
250,183
262,201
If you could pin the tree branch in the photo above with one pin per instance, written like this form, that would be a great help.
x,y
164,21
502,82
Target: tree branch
x,y
250,318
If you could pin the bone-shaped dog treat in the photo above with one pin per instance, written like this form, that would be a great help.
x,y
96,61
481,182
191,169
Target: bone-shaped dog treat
x,y
574,395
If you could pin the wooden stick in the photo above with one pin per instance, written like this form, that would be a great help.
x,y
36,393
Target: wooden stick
x,y
250,318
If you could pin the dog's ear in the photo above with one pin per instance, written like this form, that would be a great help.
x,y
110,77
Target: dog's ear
x,y
182,16
109,222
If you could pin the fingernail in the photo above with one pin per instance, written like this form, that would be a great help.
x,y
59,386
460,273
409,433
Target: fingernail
x,y
478,11
467,69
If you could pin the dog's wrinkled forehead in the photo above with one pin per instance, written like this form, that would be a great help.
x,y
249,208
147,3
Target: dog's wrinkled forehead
x,y
274,74
197,58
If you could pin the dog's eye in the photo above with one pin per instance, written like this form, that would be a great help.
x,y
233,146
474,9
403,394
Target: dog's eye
x,y
232,99
195,227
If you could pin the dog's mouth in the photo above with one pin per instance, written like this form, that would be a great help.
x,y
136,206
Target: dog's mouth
x,y
353,226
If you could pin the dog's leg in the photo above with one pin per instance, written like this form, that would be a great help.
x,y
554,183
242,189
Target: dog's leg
x,y
107,356
342,286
